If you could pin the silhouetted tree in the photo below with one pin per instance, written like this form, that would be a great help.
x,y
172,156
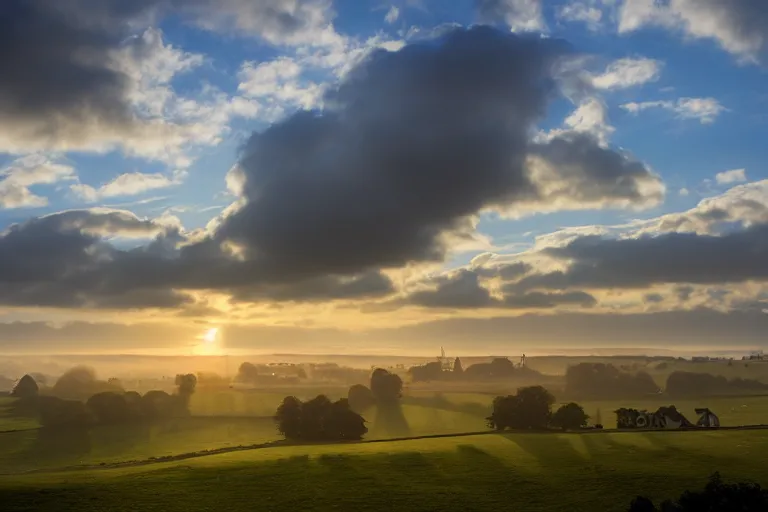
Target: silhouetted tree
x,y
319,419
716,497
499,368
706,384
530,408
109,407
360,398
25,388
386,387
56,412
599,379
570,416
79,383
426,372
248,372
157,404
457,368
186,383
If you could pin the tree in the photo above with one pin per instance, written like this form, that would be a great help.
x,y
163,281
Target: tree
x,y
56,412
186,383
25,388
319,419
109,407
157,404
457,368
530,408
386,387
360,398
248,372
427,372
570,416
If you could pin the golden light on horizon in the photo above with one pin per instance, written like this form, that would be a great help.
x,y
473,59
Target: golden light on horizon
x,y
209,343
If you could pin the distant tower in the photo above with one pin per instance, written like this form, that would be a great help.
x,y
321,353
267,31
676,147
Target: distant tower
x,y
446,363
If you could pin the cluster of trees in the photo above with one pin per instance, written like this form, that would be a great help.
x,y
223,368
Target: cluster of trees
x,y
606,381
250,373
705,384
320,419
499,368
531,408
102,407
717,496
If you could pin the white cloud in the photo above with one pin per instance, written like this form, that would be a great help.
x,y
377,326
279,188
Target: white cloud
x,y
739,26
684,192
520,15
392,15
591,116
732,176
278,85
26,172
705,110
585,11
128,184
628,72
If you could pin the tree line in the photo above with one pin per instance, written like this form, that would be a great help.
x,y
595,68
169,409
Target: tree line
x,y
600,380
497,369
114,406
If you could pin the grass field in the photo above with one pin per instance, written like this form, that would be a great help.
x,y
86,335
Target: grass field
x,y
732,411
530,472
43,449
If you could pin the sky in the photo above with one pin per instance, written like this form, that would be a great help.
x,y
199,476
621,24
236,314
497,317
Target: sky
x,y
319,176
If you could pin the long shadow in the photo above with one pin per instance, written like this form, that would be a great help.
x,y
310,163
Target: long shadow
x,y
390,421
547,448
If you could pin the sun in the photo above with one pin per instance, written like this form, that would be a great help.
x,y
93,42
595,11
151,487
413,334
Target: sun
x,y
209,343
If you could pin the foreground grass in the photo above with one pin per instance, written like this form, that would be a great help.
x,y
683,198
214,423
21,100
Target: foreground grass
x,y
531,472
49,449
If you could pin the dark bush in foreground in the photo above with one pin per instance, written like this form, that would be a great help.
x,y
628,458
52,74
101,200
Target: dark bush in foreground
x,y
319,419
530,408
716,497
570,417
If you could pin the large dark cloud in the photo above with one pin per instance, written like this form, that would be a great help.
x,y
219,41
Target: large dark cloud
x,y
63,83
599,262
410,146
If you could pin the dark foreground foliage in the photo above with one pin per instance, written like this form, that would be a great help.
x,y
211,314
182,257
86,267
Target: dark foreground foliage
x,y
319,419
717,496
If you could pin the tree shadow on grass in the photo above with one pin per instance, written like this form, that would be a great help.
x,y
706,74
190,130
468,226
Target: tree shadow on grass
x,y
390,422
547,448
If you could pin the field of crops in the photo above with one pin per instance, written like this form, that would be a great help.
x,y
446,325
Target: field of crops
x,y
531,472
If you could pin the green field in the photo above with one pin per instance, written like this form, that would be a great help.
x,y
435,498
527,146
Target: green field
x,y
45,449
733,411
531,472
